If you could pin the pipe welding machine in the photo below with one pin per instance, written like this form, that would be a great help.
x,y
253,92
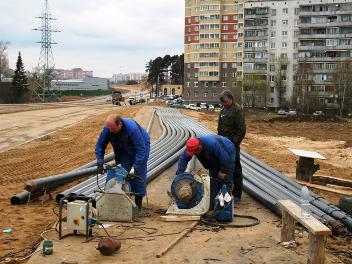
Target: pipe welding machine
x,y
190,195
116,202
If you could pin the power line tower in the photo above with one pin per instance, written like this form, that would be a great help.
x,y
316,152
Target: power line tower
x,y
46,58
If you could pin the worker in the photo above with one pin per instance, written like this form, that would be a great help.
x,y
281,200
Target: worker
x,y
131,145
215,153
232,125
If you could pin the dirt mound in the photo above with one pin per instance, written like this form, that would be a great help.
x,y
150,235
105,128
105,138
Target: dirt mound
x,y
307,118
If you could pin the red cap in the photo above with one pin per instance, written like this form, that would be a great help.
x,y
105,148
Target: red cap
x,y
191,146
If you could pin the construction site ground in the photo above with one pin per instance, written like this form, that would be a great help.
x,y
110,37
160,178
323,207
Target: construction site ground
x,y
70,145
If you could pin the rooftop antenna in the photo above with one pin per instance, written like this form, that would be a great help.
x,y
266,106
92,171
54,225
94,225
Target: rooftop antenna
x,y
46,59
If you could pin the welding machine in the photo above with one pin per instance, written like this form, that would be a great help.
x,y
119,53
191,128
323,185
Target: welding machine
x,y
116,202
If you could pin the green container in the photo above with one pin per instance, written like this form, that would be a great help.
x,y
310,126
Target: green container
x,y
48,247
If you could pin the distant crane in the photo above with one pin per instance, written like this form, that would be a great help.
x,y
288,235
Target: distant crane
x,y
46,58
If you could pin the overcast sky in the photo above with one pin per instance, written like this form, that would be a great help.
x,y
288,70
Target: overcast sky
x,y
106,36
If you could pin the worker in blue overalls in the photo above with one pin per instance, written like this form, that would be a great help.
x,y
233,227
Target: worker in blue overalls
x,y
131,145
215,153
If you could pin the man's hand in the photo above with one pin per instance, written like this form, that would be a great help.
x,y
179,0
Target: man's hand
x,y
221,175
100,168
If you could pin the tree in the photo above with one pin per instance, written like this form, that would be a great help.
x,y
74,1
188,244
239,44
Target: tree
x,y
280,74
255,86
303,83
4,62
343,84
236,89
19,81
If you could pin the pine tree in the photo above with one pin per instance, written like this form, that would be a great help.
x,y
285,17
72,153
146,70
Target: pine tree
x,y
19,81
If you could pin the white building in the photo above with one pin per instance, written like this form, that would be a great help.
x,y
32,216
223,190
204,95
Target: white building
x,y
87,83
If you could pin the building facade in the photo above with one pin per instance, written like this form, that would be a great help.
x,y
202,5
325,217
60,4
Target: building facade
x,y
213,47
171,89
325,40
76,73
270,40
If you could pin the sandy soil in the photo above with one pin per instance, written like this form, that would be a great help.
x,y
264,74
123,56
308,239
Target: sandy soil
x,y
63,151
73,146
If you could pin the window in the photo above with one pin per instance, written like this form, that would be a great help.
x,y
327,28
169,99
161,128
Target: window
x,y
196,75
225,18
273,23
285,10
224,74
225,27
295,67
195,84
273,12
284,33
273,34
223,84
272,45
214,95
272,78
295,45
196,28
188,84
271,100
272,89
296,11
206,84
284,44
295,56
224,37
224,46
224,65
196,94
285,22
205,94
272,68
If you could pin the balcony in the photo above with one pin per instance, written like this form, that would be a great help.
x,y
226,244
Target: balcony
x,y
257,60
254,49
209,78
265,37
323,59
254,16
325,13
255,71
324,36
324,48
326,24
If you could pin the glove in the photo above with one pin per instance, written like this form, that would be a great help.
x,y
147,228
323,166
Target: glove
x,y
100,168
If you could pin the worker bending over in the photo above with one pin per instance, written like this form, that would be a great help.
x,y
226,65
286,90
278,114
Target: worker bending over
x,y
215,153
131,145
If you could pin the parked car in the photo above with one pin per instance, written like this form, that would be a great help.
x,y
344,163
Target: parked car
x,y
211,107
292,112
318,113
177,105
194,107
203,106
281,112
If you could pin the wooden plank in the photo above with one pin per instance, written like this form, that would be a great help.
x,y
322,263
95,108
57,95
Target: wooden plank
x,y
176,240
179,218
332,180
316,254
311,223
287,227
326,189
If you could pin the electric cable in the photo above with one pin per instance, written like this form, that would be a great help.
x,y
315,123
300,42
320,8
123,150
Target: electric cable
x,y
212,222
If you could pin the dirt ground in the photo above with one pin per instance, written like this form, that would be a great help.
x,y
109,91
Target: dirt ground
x,y
63,151
73,146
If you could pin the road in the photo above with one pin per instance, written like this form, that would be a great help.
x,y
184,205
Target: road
x,y
22,123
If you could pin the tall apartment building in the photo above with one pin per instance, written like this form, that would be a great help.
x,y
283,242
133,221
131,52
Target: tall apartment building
x,y
226,39
315,32
76,73
325,39
213,47
271,36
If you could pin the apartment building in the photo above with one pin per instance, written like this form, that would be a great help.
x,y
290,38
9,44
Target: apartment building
x,y
270,43
325,39
213,47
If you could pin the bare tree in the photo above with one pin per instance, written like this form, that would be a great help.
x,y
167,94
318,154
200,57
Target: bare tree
x,y
343,84
237,88
280,75
255,86
4,62
303,84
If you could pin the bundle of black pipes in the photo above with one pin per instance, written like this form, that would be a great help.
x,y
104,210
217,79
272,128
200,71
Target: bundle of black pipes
x,y
262,182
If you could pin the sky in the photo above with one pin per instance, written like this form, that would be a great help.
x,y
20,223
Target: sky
x,y
106,36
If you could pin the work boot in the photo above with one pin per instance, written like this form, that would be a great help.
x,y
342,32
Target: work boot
x,y
138,200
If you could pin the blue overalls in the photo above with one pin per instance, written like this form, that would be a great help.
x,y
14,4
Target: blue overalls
x,y
131,147
218,154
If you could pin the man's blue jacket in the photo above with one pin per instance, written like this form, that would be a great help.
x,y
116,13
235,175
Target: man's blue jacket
x,y
131,145
218,154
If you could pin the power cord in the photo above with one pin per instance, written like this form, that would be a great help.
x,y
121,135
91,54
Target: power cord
x,y
212,222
